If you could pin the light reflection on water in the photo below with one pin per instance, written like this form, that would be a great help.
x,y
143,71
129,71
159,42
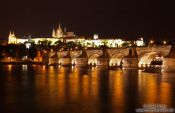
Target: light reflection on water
x,y
54,89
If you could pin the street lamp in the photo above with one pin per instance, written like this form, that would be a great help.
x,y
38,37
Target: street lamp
x,y
152,41
164,42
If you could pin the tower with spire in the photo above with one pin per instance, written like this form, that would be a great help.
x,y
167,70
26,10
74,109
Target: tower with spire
x,y
61,32
12,38
58,32
53,33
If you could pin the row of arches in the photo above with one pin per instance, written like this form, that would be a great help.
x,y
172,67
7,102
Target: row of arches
x,y
145,59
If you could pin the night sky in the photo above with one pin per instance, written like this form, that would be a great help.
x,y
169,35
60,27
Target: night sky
x,y
108,18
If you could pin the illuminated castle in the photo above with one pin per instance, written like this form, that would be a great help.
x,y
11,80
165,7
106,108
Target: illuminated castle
x,y
59,34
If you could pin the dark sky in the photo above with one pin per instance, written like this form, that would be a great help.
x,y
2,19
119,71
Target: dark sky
x,y
123,18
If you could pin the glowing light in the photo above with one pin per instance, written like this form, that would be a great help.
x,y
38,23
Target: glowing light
x,y
144,65
140,42
43,68
111,64
95,36
24,67
164,42
28,45
152,41
9,67
73,63
118,63
140,65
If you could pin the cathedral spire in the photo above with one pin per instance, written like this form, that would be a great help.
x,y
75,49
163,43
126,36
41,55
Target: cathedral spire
x,y
59,31
10,34
59,26
12,39
65,29
53,33
13,33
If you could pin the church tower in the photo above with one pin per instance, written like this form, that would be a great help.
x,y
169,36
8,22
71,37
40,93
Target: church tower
x,y
53,33
12,39
59,31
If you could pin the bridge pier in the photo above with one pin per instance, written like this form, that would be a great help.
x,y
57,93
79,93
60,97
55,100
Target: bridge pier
x,y
45,58
66,60
168,64
169,61
130,63
82,60
131,60
103,60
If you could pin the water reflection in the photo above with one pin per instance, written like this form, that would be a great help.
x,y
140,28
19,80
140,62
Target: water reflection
x,y
54,89
24,67
116,87
9,67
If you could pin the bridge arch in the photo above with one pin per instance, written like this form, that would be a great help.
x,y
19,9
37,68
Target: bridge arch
x,y
93,58
116,58
148,57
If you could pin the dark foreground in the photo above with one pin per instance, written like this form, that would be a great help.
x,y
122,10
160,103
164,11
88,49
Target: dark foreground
x,y
41,89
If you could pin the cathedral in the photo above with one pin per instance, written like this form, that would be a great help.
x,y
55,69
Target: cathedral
x,y
12,38
57,34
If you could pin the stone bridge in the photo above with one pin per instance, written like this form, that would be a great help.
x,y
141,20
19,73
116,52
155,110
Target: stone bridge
x,y
145,54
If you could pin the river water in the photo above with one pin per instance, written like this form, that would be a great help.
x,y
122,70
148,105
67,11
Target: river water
x,y
49,89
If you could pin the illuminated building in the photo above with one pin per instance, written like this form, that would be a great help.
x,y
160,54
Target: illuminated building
x,y
64,36
12,38
57,34
140,42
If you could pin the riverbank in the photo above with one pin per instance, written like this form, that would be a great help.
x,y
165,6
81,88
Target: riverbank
x,y
21,63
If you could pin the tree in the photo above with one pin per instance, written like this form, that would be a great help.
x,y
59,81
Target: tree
x,y
125,44
105,42
71,45
59,45
11,50
1,52
32,52
21,51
